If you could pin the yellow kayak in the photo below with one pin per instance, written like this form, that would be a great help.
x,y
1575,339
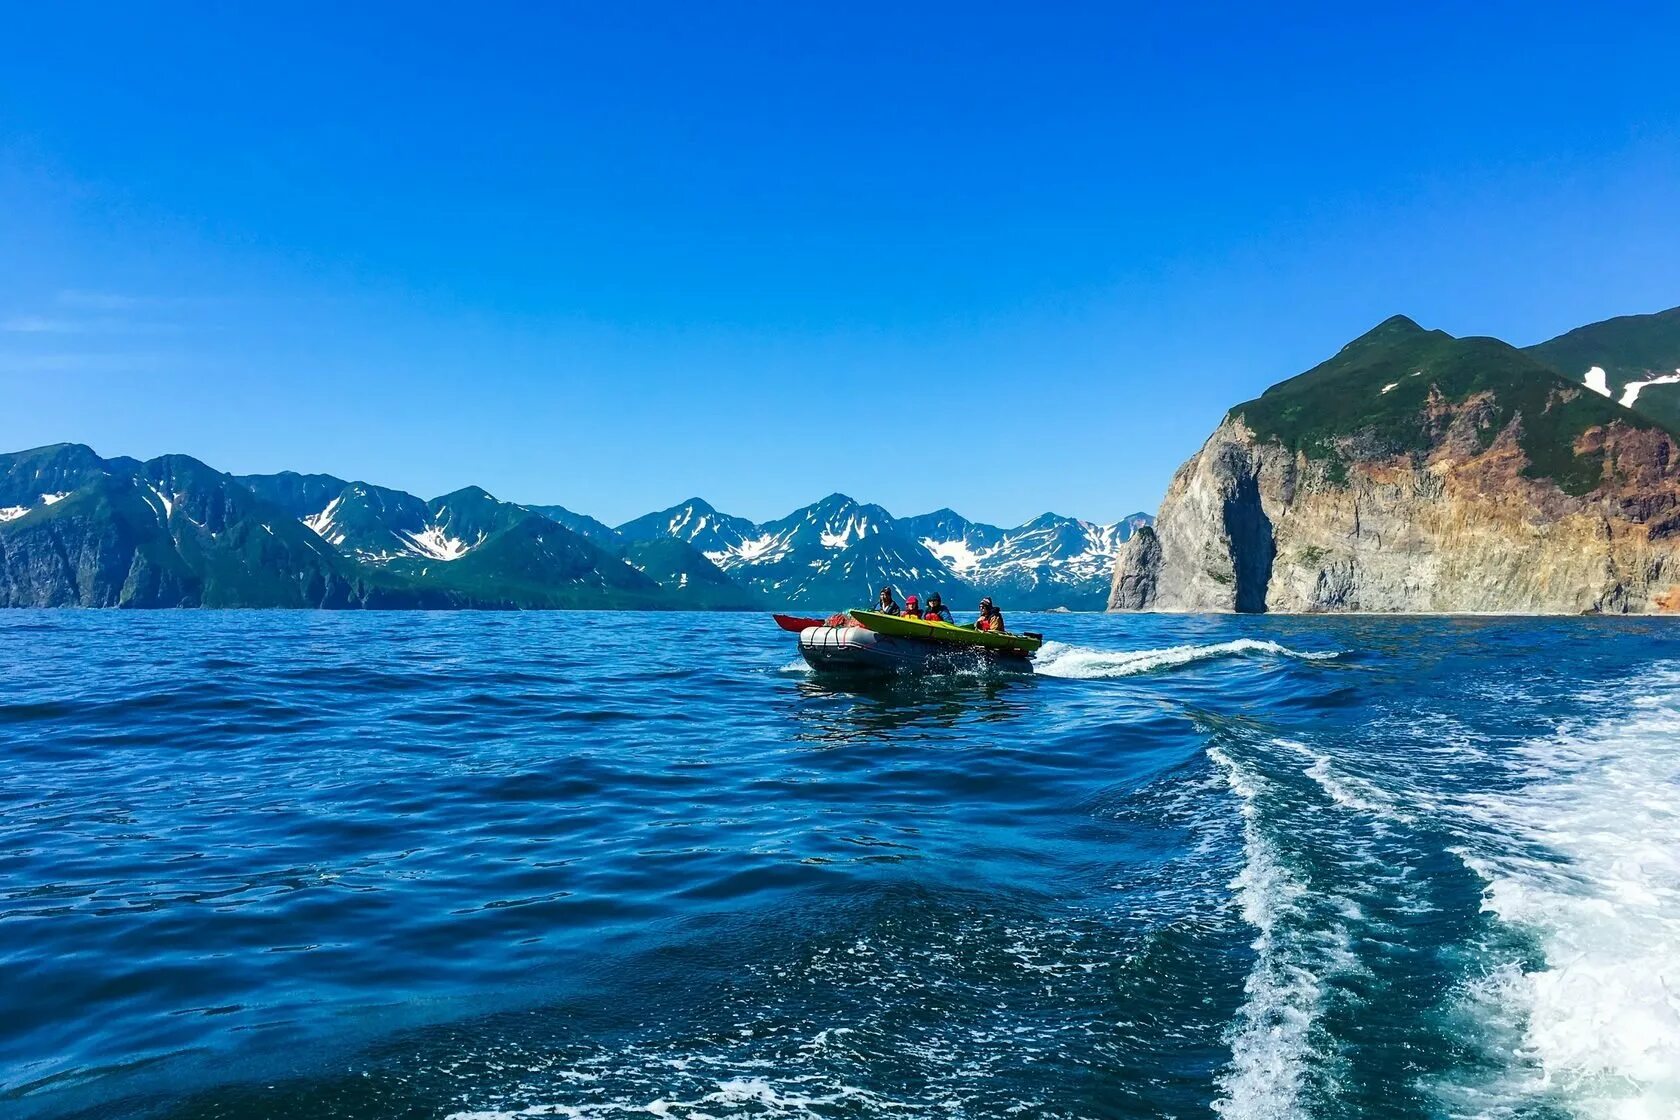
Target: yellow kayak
x,y
899,627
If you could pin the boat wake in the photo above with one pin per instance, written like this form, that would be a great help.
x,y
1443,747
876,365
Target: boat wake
x,y
1271,1041
1586,863
1568,993
1057,659
1283,1062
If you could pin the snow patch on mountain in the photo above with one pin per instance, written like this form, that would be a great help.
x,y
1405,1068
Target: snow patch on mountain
x,y
435,544
1598,381
688,524
855,527
321,524
957,555
1630,391
160,502
766,549
12,513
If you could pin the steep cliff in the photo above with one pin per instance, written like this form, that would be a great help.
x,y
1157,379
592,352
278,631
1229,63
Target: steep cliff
x,y
1415,471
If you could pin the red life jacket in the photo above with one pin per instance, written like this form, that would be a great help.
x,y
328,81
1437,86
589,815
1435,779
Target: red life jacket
x,y
995,622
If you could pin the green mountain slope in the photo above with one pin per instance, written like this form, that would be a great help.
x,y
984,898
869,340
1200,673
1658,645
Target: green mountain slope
x,y
371,524
488,552
165,533
693,581
1376,397
1634,351
522,559
467,546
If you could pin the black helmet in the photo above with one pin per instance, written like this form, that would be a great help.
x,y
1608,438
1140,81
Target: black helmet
x,y
934,598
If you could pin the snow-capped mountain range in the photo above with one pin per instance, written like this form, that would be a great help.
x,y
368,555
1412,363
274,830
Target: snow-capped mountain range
x,y
77,529
839,550
476,544
830,554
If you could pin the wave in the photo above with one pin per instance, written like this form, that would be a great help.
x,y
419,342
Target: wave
x,y
1057,659
1585,861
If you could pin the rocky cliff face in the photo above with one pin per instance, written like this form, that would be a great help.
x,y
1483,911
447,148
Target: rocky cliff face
x,y
1453,498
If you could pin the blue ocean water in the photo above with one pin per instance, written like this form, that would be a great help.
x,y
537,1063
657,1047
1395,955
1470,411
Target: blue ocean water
x,y
598,865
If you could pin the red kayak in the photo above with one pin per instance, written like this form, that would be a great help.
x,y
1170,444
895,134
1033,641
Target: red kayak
x,y
794,624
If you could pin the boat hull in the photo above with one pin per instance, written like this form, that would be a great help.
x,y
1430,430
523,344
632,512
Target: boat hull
x,y
855,649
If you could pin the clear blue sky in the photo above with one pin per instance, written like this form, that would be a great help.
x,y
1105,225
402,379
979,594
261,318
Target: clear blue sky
x,y
613,255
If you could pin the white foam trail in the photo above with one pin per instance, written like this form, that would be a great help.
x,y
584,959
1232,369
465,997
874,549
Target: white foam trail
x,y
735,1096
1057,659
1270,1043
1587,862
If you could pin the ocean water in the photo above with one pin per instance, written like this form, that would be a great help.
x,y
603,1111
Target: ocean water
x,y
499,865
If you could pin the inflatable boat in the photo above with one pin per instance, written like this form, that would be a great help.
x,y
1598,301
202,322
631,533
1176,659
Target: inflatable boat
x,y
869,641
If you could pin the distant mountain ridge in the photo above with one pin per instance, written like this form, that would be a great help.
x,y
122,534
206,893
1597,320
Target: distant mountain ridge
x,y
842,550
496,553
77,529
1038,561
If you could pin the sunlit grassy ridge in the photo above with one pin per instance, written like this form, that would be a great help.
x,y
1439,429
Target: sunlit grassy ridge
x,y
1372,401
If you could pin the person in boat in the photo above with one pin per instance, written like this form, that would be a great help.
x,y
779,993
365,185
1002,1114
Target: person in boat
x,y
912,607
936,610
887,604
991,618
